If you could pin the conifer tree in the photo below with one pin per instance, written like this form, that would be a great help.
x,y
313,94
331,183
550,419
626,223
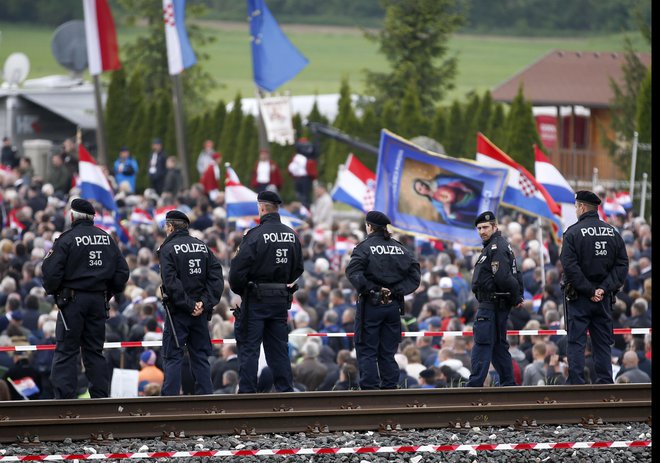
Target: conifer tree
x,y
193,140
117,117
347,122
624,108
521,133
413,40
136,144
438,130
411,121
241,161
218,121
389,116
496,125
161,119
485,112
230,129
455,131
370,126
470,117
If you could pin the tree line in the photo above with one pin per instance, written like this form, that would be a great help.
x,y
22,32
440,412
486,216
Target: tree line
x,y
511,17
134,119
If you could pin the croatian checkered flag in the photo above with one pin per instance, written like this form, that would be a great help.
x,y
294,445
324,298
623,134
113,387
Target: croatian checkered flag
x,y
526,186
369,199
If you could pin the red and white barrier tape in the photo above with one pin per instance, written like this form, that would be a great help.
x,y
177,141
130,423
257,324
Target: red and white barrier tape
x,y
409,334
335,451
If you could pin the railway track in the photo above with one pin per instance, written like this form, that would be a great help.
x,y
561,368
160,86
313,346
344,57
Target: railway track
x,y
104,420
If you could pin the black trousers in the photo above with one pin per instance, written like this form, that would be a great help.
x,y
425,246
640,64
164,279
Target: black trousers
x,y
85,318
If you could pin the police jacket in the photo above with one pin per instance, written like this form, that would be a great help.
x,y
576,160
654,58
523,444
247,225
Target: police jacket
x,y
269,253
383,263
190,272
593,256
84,258
496,271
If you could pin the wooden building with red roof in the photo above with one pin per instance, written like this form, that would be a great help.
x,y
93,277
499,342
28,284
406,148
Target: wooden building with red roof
x,y
577,85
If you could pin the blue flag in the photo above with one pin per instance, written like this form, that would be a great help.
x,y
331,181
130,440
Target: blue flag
x,y
434,195
275,59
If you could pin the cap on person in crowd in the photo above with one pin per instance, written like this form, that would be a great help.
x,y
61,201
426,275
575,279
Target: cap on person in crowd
x,y
588,197
83,206
123,148
445,283
269,197
156,141
177,215
16,315
148,357
378,219
434,321
486,216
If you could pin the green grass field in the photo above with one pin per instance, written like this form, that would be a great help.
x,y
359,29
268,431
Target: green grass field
x,y
334,53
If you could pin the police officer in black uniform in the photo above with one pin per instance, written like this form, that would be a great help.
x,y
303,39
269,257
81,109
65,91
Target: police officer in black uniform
x,y
595,264
267,263
192,286
497,285
83,269
382,271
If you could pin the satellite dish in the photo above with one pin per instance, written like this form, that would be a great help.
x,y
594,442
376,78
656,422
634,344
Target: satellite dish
x,y
429,144
69,46
17,66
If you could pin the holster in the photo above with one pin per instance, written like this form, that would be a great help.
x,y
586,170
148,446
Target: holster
x,y
570,292
64,297
502,301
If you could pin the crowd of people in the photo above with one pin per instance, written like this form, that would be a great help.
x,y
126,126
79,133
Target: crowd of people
x,y
35,212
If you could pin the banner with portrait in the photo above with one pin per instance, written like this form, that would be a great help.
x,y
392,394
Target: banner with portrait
x,y
434,195
277,117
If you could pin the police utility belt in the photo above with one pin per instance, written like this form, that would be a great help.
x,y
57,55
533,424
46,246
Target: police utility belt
x,y
377,297
493,297
67,295
272,292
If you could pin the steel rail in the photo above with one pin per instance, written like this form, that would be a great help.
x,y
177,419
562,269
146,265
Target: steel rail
x,y
56,420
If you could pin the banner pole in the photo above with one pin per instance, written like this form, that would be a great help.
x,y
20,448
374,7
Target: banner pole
x,y
642,209
633,164
177,97
541,256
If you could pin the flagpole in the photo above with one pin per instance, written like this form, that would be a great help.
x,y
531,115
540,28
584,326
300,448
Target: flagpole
x,y
227,165
177,98
541,256
642,209
633,164
101,149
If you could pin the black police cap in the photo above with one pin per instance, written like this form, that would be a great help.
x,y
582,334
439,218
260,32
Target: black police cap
x,y
267,196
486,216
83,206
377,218
177,215
589,197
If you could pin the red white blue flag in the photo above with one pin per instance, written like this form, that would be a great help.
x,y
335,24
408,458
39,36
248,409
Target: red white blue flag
x,y
355,185
522,191
101,37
